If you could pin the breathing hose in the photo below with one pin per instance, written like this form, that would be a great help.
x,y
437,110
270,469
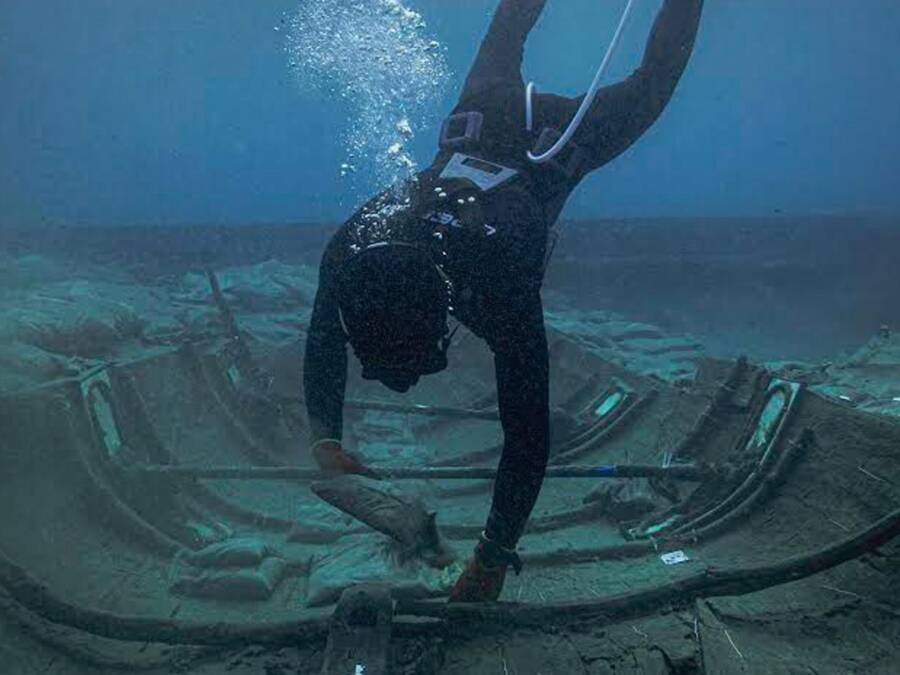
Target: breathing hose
x,y
589,98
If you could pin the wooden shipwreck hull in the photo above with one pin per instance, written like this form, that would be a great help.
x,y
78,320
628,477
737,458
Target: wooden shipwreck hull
x,y
158,514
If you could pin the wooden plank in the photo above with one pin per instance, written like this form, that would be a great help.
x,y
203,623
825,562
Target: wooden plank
x,y
360,632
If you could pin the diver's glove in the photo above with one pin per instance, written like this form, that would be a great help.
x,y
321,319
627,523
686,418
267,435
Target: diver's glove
x,y
483,578
335,461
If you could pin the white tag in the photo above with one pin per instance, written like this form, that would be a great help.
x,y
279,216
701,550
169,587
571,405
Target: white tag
x,y
674,558
844,397
360,669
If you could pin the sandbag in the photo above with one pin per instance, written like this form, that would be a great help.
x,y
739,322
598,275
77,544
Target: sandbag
x,y
302,533
371,558
241,552
231,584
623,500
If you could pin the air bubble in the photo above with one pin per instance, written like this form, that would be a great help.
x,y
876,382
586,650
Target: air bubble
x,y
375,57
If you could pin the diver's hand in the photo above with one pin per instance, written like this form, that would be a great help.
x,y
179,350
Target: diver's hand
x,y
334,460
484,576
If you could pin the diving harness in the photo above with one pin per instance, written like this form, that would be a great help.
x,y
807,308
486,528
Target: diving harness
x,y
462,133
466,178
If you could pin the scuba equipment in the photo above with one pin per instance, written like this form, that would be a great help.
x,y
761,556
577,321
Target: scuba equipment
x,y
529,106
456,199
540,157
551,143
461,129
483,174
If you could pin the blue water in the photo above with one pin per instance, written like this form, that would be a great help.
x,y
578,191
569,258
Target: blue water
x,y
170,112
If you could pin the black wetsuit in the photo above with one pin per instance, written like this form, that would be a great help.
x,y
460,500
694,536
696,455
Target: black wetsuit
x,y
497,267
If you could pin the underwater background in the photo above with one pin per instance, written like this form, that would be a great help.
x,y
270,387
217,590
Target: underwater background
x,y
173,113
723,302
230,113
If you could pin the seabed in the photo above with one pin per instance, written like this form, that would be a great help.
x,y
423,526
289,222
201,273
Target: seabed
x,y
735,516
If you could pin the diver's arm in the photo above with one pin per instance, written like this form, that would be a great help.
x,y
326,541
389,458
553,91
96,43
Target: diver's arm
x,y
624,111
522,367
325,359
499,59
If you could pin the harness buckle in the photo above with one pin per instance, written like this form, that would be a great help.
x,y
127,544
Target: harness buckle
x,y
569,161
462,129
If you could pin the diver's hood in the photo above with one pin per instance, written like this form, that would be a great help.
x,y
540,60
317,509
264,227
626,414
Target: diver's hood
x,y
393,303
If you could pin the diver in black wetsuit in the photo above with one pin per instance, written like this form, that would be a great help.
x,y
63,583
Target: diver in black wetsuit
x,y
469,238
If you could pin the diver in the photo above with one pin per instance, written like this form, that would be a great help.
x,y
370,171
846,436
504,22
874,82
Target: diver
x,y
468,237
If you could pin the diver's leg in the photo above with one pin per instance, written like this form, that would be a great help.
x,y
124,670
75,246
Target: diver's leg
x,y
499,60
623,112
